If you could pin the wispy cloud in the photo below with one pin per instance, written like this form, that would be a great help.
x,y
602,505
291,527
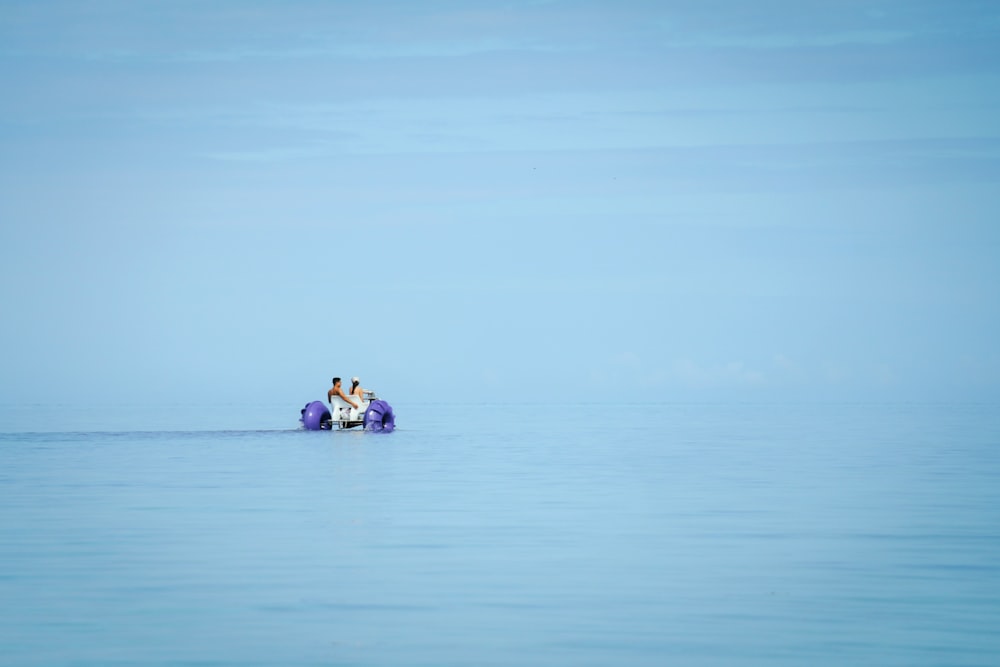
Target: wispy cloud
x,y
626,43
715,376
282,154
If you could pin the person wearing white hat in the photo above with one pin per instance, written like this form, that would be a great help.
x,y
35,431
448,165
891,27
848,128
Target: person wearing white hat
x,y
358,394
356,389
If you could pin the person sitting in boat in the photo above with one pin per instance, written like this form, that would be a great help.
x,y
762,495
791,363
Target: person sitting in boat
x,y
337,391
356,391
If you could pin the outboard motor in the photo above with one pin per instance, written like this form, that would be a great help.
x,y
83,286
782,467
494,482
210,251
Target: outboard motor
x,y
316,417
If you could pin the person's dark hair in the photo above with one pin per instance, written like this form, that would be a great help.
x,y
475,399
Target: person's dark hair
x,y
354,385
336,380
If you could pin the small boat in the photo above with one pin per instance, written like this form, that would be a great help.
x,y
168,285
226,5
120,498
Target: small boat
x,y
373,414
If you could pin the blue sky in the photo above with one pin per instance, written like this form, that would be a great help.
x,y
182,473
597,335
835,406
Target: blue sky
x,y
500,201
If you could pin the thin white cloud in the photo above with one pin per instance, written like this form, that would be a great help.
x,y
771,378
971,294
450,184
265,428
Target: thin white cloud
x,y
716,376
793,41
269,155
355,51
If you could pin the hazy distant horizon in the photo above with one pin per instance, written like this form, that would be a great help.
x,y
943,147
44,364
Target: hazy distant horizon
x,y
523,201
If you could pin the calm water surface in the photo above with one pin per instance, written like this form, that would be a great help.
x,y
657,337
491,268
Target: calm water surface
x,y
473,535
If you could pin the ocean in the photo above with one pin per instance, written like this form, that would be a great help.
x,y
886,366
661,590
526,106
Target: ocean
x,y
488,534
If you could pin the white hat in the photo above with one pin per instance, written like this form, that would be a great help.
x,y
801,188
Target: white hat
x,y
355,379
